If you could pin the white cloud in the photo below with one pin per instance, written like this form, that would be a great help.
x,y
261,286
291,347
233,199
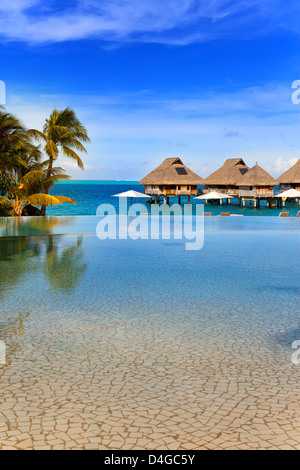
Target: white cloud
x,y
169,21
72,165
17,6
144,125
281,165
273,98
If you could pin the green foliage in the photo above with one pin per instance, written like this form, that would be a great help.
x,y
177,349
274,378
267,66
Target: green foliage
x,y
62,132
25,177
21,192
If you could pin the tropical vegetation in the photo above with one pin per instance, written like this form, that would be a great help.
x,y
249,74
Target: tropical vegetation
x,y
27,170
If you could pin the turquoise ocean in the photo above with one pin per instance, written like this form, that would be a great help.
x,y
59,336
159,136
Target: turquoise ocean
x,y
90,194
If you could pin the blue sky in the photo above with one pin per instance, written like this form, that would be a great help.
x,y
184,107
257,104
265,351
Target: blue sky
x,y
204,80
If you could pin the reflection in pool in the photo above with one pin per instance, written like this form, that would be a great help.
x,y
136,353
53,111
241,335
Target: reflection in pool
x,y
140,344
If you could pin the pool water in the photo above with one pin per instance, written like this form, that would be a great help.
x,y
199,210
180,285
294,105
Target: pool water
x,y
122,344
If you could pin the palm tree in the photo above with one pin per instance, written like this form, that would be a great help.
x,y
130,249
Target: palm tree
x,y
22,191
62,132
12,133
20,256
64,267
13,140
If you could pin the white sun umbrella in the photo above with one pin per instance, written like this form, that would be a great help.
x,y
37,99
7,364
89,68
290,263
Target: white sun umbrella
x,y
290,194
213,196
132,195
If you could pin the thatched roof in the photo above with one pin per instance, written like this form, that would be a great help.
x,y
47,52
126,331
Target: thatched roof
x,y
172,172
291,176
257,177
229,173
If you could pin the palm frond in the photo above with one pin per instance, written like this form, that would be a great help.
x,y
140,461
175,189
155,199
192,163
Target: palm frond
x,y
47,200
22,162
55,178
68,152
59,130
32,177
37,135
70,140
5,200
56,169
51,149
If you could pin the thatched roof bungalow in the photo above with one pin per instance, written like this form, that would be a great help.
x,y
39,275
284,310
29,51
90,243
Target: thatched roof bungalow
x,y
172,178
225,178
256,183
291,178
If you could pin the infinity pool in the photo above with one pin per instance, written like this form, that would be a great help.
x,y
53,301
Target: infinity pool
x,y
123,344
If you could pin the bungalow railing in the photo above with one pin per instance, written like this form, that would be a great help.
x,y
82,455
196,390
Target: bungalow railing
x,y
228,192
241,192
158,192
255,194
182,192
152,192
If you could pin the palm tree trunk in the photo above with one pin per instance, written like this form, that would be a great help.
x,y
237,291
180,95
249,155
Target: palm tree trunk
x,y
43,208
17,208
46,191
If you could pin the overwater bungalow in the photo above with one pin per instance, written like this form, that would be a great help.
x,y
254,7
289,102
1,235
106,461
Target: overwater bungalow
x,y
171,178
224,180
291,178
256,185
